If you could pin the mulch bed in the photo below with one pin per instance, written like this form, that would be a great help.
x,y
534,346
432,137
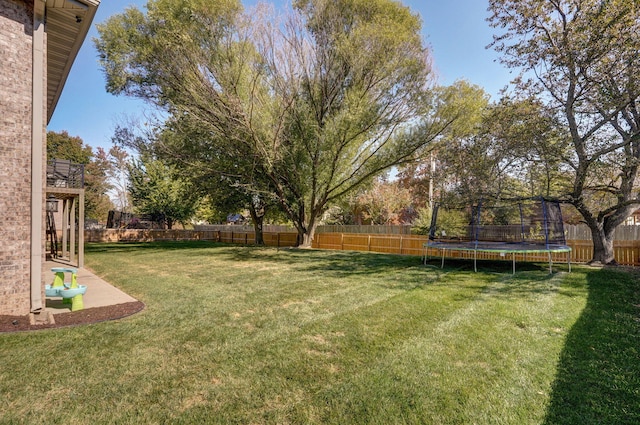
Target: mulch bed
x,y
81,317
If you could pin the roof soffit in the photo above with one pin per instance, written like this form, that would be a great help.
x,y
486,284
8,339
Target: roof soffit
x,y
67,25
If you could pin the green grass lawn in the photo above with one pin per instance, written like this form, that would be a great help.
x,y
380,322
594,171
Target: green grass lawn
x,y
258,336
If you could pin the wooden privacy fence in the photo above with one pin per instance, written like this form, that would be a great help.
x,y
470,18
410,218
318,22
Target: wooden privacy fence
x,y
324,228
621,233
364,228
278,239
146,235
390,244
627,252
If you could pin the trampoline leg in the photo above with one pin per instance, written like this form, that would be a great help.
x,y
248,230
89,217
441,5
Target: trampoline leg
x,y
569,260
443,252
475,261
513,256
550,264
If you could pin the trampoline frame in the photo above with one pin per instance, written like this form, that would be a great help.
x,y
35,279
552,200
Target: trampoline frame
x,y
497,248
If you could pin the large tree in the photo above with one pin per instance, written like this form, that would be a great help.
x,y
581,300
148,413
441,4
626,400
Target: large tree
x,y
223,173
321,102
486,157
580,58
461,163
532,168
118,174
217,170
158,190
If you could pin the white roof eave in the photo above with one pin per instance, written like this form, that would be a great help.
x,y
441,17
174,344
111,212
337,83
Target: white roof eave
x,y
67,25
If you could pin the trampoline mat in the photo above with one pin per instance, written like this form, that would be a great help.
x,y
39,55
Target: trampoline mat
x,y
497,247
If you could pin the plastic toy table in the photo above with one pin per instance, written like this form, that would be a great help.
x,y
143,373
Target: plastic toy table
x,y
70,292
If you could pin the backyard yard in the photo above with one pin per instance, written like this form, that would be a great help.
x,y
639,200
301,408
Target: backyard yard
x,y
246,335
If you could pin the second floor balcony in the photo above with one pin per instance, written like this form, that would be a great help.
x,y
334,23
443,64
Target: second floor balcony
x,y
64,173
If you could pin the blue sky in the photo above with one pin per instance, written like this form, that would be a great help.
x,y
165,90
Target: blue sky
x,y
456,31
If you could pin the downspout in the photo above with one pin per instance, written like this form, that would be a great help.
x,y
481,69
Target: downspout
x,y
37,154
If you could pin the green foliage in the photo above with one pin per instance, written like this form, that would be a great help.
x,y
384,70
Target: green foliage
x,y
452,224
64,146
310,108
157,190
511,148
458,163
422,224
206,211
529,144
500,215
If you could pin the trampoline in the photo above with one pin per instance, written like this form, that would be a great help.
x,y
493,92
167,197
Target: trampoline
x,y
530,226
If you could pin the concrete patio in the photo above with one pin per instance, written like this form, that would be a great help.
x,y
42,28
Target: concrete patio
x,y
99,293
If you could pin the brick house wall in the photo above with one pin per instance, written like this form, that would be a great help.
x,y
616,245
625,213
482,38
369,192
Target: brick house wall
x,y
16,92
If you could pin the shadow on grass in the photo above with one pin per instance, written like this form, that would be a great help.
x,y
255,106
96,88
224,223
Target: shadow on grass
x,y
124,247
336,263
598,378
504,267
327,262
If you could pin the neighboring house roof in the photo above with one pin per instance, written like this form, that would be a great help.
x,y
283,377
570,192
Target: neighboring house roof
x,y
235,218
67,25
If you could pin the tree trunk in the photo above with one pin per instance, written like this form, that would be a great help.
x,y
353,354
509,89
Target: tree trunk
x,y
258,224
257,227
602,246
305,237
307,229
306,232
603,228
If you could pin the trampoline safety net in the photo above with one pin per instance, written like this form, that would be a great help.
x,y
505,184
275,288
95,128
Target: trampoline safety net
x,y
534,221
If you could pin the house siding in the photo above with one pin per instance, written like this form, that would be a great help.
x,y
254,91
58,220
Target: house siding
x,y
16,91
